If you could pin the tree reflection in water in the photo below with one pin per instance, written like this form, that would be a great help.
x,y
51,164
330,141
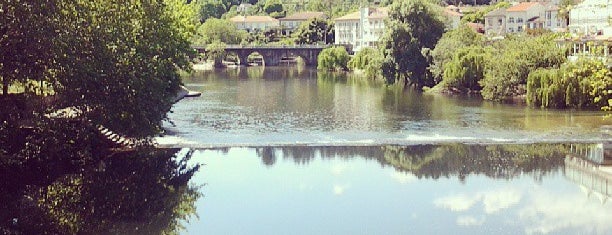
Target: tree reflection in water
x,y
137,192
435,161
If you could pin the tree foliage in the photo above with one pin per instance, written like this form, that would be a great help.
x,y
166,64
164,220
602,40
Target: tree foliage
x,y
117,62
367,60
466,69
479,15
333,58
211,9
511,61
273,7
219,30
314,31
448,44
585,83
414,25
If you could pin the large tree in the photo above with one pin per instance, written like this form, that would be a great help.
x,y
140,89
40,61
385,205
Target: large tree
x,y
219,30
26,51
116,62
414,25
314,31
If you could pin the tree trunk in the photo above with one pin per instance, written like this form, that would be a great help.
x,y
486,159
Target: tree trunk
x,y
4,86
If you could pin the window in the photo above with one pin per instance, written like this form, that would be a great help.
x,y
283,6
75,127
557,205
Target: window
x,y
511,30
519,29
500,21
511,20
519,20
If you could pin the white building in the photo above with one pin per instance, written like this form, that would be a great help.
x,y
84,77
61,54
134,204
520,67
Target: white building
x,y
523,16
255,23
592,17
290,23
495,23
362,28
552,21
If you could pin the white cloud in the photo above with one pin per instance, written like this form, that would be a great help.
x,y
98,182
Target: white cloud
x,y
495,201
549,213
403,178
469,221
340,189
460,202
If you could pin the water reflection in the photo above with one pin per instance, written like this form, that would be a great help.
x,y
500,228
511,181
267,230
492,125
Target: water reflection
x,y
144,192
422,189
435,161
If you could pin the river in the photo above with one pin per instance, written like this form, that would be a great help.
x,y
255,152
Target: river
x,y
257,106
289,150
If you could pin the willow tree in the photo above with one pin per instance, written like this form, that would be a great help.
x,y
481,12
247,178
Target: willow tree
x,y
414,26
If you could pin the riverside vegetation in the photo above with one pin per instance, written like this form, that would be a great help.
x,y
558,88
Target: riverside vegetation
x,y
521,67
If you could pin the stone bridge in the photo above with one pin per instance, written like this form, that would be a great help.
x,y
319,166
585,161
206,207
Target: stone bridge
x,y
272,54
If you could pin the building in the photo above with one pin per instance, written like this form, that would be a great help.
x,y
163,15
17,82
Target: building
x,y
362,28
453,14
495,23
290,23
523,16
552,21
255,23
591,17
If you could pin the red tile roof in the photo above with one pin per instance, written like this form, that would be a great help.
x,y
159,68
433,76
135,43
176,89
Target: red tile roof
x,y
523,6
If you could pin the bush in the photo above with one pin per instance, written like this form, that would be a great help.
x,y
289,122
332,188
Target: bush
x,y
511,61
450,42
466,69
368,60
333,58
581,84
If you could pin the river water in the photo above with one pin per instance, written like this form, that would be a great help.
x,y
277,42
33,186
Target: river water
x,y
257,106
290,150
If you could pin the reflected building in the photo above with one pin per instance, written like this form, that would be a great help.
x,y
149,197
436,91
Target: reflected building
x,y
590,166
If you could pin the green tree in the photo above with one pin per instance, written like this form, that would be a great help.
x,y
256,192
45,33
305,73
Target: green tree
x,y
219,30
211,9
215,51
582,84
120,63
448,44
511,61
478,16
367,60
314,31
27,51
333,58
273,7
413,25
466,69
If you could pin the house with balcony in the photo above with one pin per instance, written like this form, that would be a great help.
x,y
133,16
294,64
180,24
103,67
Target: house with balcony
x,y
290,23
255,23
362,28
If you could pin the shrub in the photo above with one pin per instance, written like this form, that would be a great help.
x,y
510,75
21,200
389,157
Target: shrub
x,y
585,83
333,58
